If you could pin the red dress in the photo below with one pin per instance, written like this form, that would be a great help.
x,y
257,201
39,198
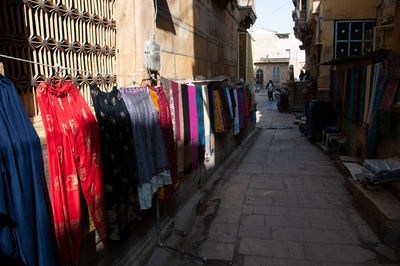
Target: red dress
x,y
74,159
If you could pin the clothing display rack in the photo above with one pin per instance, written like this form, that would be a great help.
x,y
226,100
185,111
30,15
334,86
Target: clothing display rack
x,y
58,68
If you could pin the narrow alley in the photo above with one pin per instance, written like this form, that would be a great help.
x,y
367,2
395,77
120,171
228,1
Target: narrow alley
x,y
282,203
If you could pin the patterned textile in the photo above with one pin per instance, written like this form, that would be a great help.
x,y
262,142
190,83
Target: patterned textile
x,y
164,112
218,115
154,98
117,148
194,128
26,229
151,158
200,115
74,157
225,110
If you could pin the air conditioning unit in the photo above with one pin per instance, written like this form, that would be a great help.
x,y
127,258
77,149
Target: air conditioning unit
x,y
383,37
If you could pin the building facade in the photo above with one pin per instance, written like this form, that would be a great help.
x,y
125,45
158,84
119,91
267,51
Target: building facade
x,y
271,44
104,41
275,69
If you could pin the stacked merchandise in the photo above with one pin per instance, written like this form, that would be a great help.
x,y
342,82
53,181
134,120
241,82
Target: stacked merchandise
x,y
381,171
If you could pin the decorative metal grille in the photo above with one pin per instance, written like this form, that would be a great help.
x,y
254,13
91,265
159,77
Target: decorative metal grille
x,y
76,34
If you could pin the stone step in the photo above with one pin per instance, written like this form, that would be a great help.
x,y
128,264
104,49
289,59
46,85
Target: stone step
x,y
380,209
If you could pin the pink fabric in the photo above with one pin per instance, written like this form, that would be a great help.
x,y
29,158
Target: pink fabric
x,y
194,131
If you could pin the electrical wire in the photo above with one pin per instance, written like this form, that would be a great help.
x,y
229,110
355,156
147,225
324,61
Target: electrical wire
x,y
68,68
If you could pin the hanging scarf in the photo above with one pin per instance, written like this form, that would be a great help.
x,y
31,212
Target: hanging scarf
x,y
194,129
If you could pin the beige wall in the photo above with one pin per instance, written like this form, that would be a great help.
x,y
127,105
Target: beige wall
x,y
267,69
349,9
197,38
331,10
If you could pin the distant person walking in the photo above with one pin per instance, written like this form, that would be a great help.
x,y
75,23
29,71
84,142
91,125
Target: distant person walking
x,y
270,89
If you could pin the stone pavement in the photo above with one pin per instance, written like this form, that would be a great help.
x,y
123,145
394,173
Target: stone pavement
x,y
283,203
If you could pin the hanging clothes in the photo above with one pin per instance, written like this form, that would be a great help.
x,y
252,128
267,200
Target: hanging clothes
x,y
233,102
118,153
26,231
187,130
73,146
194,130
245,106
240,104
229,101
218,114
225,110
211,108
200,116
236,121
164,112
207,122
177,97
151,157
385,106
372,131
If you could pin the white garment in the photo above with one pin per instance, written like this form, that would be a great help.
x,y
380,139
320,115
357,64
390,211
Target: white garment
x,y
270,87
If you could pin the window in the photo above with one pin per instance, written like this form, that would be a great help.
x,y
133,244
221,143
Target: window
x,y
353,37
259,77
276,74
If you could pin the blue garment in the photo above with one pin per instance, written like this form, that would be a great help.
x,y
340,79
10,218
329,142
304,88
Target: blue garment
x,y
26,232
242,104
200,116
228,100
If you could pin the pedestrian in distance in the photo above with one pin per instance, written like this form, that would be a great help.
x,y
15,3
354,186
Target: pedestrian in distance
x,y
270,89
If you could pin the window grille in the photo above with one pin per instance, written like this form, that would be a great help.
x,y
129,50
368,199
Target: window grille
x,y
353,37
77,34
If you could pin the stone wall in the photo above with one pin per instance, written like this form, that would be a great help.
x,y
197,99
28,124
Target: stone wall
x,y
196,37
